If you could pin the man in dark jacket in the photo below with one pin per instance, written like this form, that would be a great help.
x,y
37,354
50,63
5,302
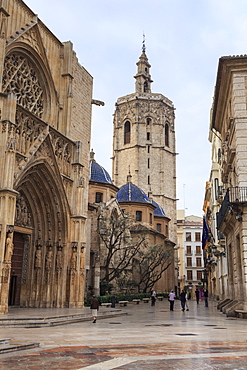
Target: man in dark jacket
x,y
183,299
94,308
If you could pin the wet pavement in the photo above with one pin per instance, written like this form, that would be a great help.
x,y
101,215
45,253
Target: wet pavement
x,y
146,338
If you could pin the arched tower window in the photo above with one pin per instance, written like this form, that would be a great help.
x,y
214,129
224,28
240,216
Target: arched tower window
x,y
148,121
127,132
145,86
166,135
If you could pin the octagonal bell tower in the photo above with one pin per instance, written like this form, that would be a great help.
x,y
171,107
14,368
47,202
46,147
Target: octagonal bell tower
x,y
144,142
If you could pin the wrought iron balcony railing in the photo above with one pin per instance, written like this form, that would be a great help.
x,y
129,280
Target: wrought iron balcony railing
x,y
234,196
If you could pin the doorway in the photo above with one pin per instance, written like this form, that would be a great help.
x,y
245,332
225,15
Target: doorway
x,y
16,270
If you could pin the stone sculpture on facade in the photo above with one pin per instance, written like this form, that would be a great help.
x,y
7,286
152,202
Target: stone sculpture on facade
x,y
38,257
9,248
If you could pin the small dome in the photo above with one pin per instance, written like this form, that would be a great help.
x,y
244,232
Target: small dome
x,y
158,210
131,193
98,173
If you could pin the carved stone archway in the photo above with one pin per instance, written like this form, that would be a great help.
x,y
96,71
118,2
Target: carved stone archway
x,y
41,207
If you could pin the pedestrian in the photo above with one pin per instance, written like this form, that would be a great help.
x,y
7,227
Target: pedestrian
x,y
153,297
94,308
186,301
183,299
171,298
206,297
197,296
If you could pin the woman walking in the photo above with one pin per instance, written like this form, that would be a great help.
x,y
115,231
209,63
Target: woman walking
x,y
94,308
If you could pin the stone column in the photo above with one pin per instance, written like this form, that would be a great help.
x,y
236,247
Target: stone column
x,y
7,193
3,34
97,275
73,275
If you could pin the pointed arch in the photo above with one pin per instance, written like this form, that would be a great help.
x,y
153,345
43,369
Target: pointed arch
x,y
127,132
166,134
37,71
48,229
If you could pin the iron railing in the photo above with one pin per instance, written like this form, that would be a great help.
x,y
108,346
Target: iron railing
x,y
234,196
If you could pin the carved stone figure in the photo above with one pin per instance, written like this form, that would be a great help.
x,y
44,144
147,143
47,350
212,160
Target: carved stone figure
x,y
48,258
59,261
38,256
9,248
73,260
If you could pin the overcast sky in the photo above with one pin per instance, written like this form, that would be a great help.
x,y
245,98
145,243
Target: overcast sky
x,y
184,41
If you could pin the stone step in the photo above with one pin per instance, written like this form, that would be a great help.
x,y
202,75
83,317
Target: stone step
x,y
7,345
55,320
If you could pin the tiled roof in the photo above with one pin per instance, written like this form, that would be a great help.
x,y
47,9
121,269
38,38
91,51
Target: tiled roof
x,y
98,173
158,210
131,193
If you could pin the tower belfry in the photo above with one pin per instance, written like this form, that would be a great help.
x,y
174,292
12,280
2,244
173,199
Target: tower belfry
x,y
143,77
144,142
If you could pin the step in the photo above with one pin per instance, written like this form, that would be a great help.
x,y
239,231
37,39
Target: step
x,y
55,320
7,345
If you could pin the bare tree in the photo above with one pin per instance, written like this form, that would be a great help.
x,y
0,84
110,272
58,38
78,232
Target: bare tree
x,y
152,262
114,231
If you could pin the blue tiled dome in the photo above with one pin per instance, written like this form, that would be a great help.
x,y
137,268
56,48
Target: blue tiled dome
x,y
158,210
131,193
98,173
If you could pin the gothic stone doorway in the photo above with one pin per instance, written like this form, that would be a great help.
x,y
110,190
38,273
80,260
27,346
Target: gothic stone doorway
x,y
16,269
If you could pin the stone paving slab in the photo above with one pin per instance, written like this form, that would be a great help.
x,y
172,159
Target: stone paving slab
x,y
182,355
147,338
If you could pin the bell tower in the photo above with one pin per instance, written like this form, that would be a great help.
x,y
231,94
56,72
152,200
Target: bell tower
x,y
143,77
144,142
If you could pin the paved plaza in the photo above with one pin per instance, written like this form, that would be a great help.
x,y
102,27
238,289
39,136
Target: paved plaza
x,y
143,338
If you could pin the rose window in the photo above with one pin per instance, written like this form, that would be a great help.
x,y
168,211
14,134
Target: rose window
x,y
20,78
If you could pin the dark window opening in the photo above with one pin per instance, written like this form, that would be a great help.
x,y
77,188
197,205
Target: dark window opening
x,y
198,262
148,121
148,135
166,135
148,149
148,162
158,227
188,237
199,275
198,249
188,249
127,132
189,275
189,261
198,237
216,188
148,180
167,231
150,218
145,86
98,197
138,215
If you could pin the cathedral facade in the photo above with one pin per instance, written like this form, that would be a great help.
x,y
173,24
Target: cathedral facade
x,y
45,113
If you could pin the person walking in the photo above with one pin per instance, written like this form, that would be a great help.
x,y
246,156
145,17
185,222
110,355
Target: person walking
x,y
153,297
94,308
171,298
205,297
197,296
186,302
183,299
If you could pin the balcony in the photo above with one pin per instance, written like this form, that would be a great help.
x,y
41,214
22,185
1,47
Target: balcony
x,y
234,197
